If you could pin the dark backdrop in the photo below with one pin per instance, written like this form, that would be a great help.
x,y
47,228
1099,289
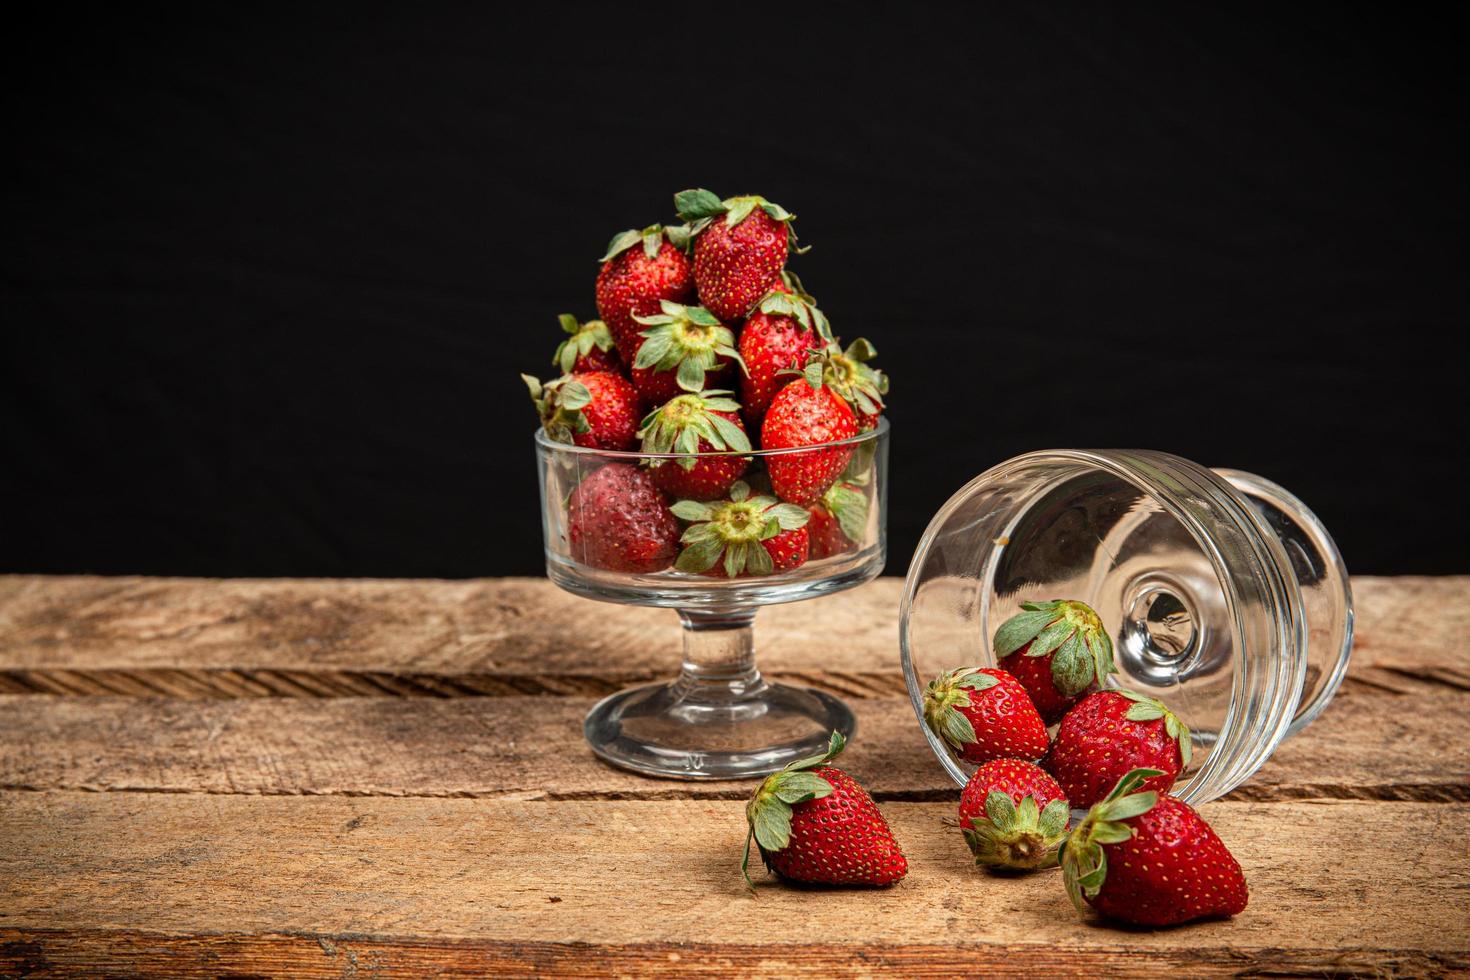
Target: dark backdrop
x,y
269,278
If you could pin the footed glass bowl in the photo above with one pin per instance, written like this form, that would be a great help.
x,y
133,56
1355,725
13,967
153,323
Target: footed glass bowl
x,y
719,719
1224,596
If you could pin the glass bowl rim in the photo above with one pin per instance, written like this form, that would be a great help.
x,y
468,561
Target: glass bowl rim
x,y
632,455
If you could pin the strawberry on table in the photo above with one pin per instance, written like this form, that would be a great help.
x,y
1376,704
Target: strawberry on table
x,y
1058,650
706,422
639,269
840,519
740,247
1013,815
743,535
1150,860
983,713
589,348
1111,733
595,409
618,520
805,413
680,349
813,823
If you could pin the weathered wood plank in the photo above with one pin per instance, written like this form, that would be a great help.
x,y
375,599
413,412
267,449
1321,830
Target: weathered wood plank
x,y
1414,747
315,638
536,872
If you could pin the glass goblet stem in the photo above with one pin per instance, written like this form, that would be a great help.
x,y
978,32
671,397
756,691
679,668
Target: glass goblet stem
x,y
719,657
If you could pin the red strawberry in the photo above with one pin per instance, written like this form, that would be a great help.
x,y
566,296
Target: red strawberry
x,y
680,349
840,519
847,373
744,535
596,409
589,348
704,423
1013,815
814,823
633,280
983,714
806,413
1150,860
1111,732
1058,650
777,337
618,520
740,247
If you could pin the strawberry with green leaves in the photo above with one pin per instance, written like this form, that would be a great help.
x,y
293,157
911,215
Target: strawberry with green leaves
x,y
588,348
1058,650
778,336
807,413
707,422
983,713
680,349
839,519
640,269
1110,733
848,373
618,520
1013,815
1150,860
741,536
814,823
740,248
595,409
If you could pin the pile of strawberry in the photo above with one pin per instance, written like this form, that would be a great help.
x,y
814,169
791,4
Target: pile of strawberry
x,y
1139,855
691,314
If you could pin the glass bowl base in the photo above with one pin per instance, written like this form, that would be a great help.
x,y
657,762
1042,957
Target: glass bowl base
x,y
676,730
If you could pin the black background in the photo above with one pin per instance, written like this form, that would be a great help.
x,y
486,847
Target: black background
x,y
268,281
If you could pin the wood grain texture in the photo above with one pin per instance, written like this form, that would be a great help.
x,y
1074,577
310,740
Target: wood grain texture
x,y
198,638
554,872
1368,746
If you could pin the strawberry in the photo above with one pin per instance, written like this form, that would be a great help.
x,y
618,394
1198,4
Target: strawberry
x,y
633,280
1013,815
744,535
618,520
678,349
704,423
805,413
813,823
589,348
840,519
595,409
982,713
740,247
1150,860
1058,650
778,336
1111,732
847,373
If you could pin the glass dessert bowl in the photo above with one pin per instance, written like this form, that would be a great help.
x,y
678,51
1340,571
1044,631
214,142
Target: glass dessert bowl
x,y
612,534
1223,595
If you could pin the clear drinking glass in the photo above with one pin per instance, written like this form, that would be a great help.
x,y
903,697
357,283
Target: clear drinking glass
x,y
1226,597
719,719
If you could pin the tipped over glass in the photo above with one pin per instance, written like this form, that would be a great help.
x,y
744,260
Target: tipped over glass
x,y
607,538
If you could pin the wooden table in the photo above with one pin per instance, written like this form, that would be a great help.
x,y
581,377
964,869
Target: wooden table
x,y
352,778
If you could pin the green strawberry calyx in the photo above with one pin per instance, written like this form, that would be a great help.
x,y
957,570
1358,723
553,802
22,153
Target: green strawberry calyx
x,y
1021,836
768,813
795,302
1084,651
678,425
699,207
846,502
686,339
559,403
848,374
1084,863
1147,709
730,532
652,239
943,698
584,337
